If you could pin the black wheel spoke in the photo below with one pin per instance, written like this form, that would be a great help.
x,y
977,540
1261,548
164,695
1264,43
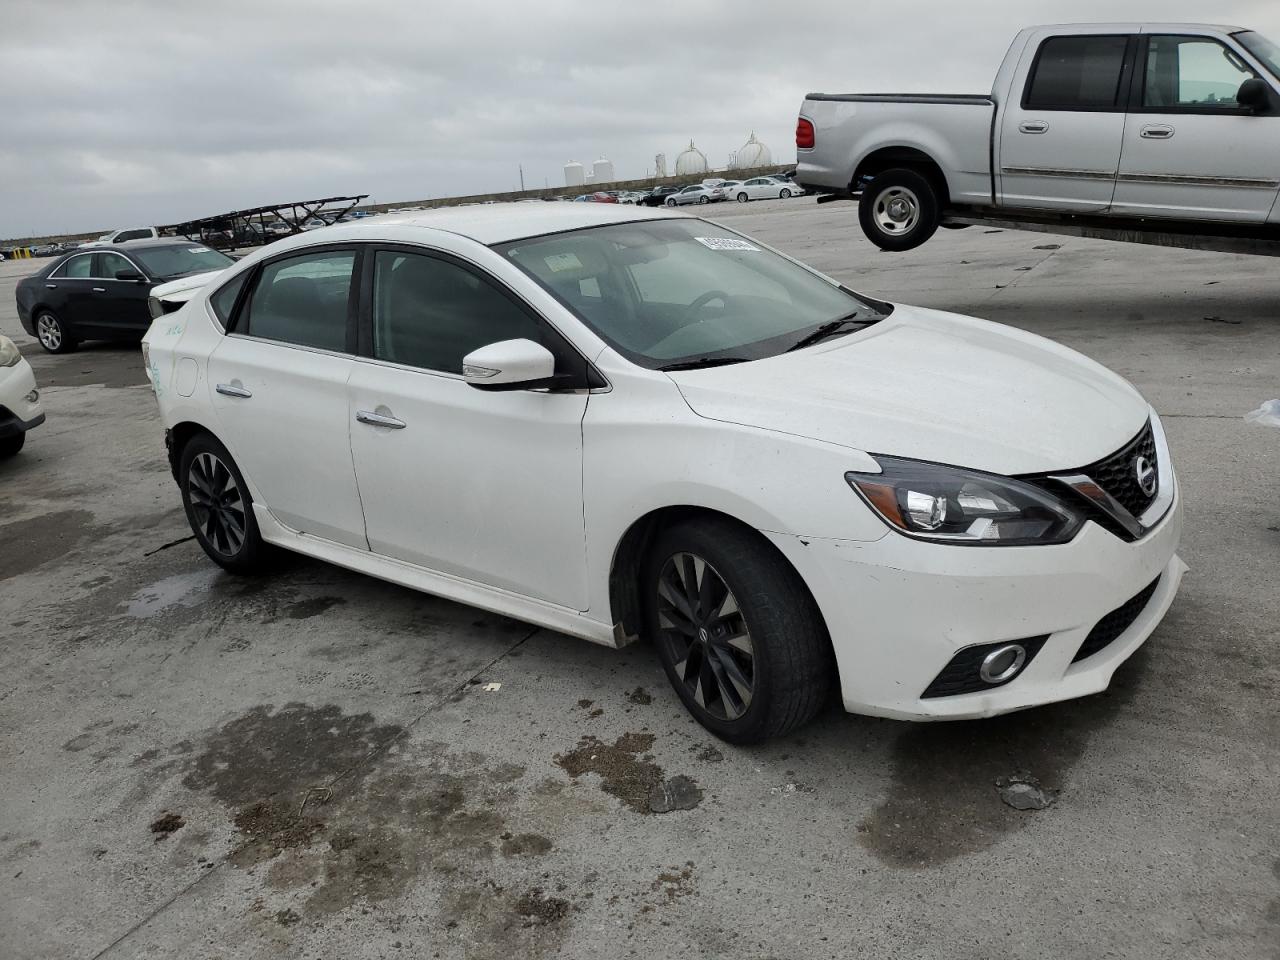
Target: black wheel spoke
x,y
218,507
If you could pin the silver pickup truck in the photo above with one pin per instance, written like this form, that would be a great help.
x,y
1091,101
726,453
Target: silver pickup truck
x,y
1137,128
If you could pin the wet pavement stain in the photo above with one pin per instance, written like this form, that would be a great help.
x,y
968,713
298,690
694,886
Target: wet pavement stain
x,y
943,803
634,779
32,543
306,609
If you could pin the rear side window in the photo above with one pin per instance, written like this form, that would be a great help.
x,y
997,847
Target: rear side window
x,y
132,235
1077,73
77,268
303,300
430,313
224,300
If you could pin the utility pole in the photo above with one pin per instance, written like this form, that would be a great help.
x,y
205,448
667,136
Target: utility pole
x,y
521,166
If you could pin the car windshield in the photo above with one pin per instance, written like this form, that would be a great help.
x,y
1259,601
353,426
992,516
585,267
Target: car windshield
x,y
1262,48
179,261
685,292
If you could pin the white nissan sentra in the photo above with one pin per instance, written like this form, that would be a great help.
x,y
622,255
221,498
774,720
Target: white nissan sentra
x,y
618,423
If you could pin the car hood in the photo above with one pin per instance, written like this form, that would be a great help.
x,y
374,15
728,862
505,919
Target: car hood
x,y
933,386
184,288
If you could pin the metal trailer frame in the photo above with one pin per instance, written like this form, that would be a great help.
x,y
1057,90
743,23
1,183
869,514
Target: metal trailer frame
x,y
213,231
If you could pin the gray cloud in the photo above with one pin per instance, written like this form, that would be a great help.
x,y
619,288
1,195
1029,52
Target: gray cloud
x,y
145,112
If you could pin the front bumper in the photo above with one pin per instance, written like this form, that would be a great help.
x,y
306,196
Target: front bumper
x,y
18,414
898,610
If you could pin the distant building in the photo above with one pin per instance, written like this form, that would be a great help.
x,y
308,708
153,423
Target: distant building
x,y
752,154
660,165
691,161
574,174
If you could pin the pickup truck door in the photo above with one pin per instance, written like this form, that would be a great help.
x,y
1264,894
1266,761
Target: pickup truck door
x,y
1190,150
1062,124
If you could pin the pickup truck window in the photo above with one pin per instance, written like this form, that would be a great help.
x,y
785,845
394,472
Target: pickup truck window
x,y
1077,73
1262,48
1192,74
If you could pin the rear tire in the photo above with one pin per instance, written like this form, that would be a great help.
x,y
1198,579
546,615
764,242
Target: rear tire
x,y
751,658
219,507
899,209
743,198
10,446
52,334
704,199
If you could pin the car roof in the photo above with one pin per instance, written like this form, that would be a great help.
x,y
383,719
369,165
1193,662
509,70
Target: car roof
x,y
148,242
501,222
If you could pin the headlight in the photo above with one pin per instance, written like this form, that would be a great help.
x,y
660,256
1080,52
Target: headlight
x,y
953,505
9,355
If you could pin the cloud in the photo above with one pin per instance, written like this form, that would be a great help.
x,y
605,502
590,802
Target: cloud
x,y
152,112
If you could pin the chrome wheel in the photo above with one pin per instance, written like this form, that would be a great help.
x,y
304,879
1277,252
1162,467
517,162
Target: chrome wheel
x,y
896,210
49,332
706,636
217,504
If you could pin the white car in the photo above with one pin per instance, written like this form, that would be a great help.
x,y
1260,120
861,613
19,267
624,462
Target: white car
x,y
121,236
620,422
762,188
20,408
694,193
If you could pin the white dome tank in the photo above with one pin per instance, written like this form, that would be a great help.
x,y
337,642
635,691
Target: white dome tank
x,y
691,161
602,171
752,154
574,174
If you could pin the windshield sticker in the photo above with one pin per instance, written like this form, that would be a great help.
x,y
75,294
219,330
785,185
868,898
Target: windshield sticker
x,y
197,249
559,262
726,243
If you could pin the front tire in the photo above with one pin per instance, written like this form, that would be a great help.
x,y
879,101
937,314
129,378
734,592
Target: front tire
x,y
671,203
51,333
785,194
899,210
9,446
219,507
738,634
743,198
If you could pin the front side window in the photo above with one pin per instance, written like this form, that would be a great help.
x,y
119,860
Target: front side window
x,y
1262,48
77,268
1194,73
109,264
667,292
430,313
303,300
1077,73
181,260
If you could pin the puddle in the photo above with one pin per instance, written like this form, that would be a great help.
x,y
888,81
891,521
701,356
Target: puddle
x,y
180,590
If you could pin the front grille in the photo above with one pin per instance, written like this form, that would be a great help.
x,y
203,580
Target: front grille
x,y
1115,623
1118,475
960,675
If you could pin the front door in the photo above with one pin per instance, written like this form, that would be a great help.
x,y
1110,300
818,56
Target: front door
x,y
1190,150
117,307
481,485
1060,133
278,383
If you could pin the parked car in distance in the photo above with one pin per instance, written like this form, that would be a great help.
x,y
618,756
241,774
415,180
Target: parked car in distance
x,y
102,293
761,188
657,196
694,193
786,485
20,409
1114,123
278,228
120,236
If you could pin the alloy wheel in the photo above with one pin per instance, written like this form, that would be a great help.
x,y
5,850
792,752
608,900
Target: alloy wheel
x,y
706,636
49,331
217,504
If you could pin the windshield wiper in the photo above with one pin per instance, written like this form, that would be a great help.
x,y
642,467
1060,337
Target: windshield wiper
x,y
702,362
830,328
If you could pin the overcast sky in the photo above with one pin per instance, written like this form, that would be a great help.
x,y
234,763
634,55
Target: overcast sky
x,y
126,113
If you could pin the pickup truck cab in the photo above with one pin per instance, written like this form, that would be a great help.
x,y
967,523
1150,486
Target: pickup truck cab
x,y
1179,122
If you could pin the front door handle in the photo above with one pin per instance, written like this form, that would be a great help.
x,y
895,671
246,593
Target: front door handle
x,y
233,390
51,286
1033,126
1157,131
99,289
380,420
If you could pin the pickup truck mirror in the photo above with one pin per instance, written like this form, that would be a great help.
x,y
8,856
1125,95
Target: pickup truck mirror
x,y
1254,94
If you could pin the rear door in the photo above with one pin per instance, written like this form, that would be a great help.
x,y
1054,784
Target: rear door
x,y
1190,150
278,383
1061,129
69,290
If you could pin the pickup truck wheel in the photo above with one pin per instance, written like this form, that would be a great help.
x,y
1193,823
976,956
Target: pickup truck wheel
x,y
899,210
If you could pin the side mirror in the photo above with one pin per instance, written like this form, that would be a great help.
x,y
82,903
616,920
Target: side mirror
x,y
130,275
1254,94
509,365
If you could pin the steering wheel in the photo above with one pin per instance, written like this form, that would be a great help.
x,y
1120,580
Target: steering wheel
x,y
706,298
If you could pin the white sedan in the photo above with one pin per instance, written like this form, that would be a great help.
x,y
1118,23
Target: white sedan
x,y
622,423
20,408
762,188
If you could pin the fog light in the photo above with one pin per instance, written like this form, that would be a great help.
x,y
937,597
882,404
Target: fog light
x,y
1003,663
32,397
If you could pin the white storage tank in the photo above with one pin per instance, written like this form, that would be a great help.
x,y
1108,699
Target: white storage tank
x,y
691,161
574,174
752,154
602,171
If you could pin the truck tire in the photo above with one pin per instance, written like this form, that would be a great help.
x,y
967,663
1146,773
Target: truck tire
x,y
899,209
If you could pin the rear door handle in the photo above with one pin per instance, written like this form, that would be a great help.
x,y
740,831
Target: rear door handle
x,y
380,420
1033,126
1157,131
233,390
99,289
